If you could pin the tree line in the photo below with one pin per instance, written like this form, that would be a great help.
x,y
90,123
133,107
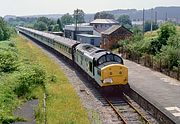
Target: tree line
x,y
46,24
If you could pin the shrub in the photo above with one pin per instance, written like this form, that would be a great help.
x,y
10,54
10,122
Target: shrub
x,y
30,77
8,61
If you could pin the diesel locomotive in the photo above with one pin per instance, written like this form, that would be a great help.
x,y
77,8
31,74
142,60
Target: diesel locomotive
x,y
105,67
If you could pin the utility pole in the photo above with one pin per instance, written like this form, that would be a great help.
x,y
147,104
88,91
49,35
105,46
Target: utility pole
x,y
166,18
156,17
151,19
76,23
143,20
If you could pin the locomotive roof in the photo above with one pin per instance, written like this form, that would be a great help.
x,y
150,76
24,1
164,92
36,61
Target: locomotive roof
x,y
92,51
63,40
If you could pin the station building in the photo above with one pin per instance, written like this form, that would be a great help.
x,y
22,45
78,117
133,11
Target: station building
x,y
70,31
113,35
90,39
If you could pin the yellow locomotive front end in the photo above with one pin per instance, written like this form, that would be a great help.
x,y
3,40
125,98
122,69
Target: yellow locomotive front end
x,y
114,74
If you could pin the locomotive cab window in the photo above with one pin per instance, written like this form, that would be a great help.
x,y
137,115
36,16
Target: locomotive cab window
x,y
118,59
109,58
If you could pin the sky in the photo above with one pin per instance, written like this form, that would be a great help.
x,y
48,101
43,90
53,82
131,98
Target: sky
x,y
36,7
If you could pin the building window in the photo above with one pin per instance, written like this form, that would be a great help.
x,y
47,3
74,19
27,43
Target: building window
x,y
92,42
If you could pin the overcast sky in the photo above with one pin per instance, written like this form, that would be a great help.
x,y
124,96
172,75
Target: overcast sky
x,y
35,7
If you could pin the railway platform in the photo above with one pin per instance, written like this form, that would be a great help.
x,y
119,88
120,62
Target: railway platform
x,y
162,91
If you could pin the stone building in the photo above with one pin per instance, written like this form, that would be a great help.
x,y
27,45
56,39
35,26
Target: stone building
x,y
115,33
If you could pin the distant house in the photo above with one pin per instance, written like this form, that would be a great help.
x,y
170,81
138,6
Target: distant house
x,y
90,39
101,25
70,31
111,36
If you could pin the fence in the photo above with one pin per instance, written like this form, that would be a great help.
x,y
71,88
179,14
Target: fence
x,y
149,61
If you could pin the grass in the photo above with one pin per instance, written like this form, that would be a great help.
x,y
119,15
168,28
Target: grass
x,y
63,104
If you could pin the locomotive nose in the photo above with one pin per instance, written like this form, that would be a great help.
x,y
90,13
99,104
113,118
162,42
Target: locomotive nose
x,y
114,74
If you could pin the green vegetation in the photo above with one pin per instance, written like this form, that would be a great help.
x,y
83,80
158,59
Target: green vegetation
x,y
163,45
4,30
125,21
79,16
18,79
147,26
103,15
67,19
26,73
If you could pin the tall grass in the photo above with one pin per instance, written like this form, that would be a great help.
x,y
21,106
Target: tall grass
x,y
63,104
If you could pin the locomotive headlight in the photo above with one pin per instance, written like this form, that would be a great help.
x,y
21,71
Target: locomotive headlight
x,y
108,80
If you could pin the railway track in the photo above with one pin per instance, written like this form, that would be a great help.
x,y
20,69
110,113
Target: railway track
x,y
126,111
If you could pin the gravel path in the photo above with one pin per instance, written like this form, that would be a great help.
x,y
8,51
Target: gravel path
x,y
27,112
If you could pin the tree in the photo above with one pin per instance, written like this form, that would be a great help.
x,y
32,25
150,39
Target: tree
x,y
59,24
166,31
103,15
45,20
125,20
4,30
147,26
56,28
41,26
79,16
67,19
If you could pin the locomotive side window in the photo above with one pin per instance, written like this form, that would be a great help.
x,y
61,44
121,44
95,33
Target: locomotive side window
x,y
90,66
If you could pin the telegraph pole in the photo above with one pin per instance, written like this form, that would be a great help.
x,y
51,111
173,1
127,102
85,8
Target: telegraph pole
x,y
76,23
143,20
166,18
156,17
151,19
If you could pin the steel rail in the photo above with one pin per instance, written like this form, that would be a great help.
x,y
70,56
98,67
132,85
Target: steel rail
x,y
116,111
132,106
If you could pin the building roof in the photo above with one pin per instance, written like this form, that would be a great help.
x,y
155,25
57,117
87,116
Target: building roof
x,y
104,21
88,35
113,28
80,27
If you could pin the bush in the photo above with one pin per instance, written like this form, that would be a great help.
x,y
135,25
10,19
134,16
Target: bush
x,y
170,53
30,77
8,61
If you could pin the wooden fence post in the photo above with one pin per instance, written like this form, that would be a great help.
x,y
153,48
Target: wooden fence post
x,y
152,62
160,65
178,73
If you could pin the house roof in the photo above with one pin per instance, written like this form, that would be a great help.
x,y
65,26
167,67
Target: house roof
x,y
112,29
104,21
88,35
